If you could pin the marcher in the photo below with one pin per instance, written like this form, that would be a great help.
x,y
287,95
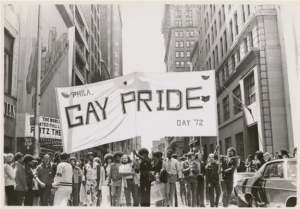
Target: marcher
x,y
284,153
101,179
44,175
250,166
128,170
9,179
115,179
228,166
183,195
76,181
55,160
157,166
190,171
259,160
29,194
172,166
91,179
20,185
267,157
108,159
200,180
36,199
241,168
145,183
213,181
63,181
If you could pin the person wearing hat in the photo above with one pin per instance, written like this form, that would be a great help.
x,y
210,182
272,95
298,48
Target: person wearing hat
x,y
173,169
259,159
76,181
63,181
190,171
91,179
20,180
44,175
115,179
29,194
9,178
228,166
145,182
181,183
108,159
212,180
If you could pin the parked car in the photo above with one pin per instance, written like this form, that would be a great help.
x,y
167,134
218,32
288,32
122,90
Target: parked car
x,y
237,177
273,185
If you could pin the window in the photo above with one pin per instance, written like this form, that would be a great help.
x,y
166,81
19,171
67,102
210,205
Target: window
x,y
177,64
292,168
181,44
176,34
188,13
188,54
236,24
8,57
231,31
244,15
181,33
221,45
187,34
250,89
248,8
217,56
178,23
176,54
211,11
219,114
233,62
238,55
212,34
226,111
192,43
205,25
225,41
274,171
250,40
223,11
215,27
209,64
220,20
178,13
181,54
182,64
192,33
239,140
189,23
229,8
207,21
246,48
227,143
226,70
176,44
213,57
187,43
236,100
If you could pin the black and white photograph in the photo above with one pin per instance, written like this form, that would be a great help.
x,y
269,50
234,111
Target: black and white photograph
x,y
150,104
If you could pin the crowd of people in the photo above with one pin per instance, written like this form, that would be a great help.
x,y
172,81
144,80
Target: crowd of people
x,y
60,181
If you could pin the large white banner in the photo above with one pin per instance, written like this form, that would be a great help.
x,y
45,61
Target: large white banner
x,y
138,104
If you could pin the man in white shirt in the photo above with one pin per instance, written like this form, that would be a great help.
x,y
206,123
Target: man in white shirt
x,y
173,169
63,180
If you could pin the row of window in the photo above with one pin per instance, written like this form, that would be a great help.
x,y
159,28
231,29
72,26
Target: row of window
x,y
188,13
180,44
188,23
249,88
182,64
182,54
187,34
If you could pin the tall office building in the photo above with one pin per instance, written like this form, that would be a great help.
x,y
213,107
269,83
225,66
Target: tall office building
x,y
241,42
111,39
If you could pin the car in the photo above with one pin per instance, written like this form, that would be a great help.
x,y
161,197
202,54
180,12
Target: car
x,y
273,185
237,177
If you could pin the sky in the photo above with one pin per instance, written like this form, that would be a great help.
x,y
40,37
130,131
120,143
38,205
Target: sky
x,y
143,43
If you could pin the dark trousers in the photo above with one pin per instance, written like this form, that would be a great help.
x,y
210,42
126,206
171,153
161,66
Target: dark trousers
x,y
75,193
19,198
10,194
45,195
29,196
214,187
131,188
200,191
145,187
227,187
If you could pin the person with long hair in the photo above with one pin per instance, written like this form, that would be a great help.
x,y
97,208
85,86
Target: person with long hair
x,y
101,179
20,180
9,178
108,160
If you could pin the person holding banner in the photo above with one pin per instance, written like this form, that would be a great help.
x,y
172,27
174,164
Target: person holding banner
x,y
145,183
212,180
157,166
173,169
91,179
190,170
63,181
115,179
200,179
108,159
228,166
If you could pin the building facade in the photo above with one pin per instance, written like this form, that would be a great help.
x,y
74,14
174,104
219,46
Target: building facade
x,y
241,43
111,39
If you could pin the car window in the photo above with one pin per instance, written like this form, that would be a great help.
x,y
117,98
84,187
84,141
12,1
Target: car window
x,y
259,173
274,171
292,170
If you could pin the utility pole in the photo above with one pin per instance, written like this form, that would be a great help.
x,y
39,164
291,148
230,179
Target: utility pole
x,y
36,151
